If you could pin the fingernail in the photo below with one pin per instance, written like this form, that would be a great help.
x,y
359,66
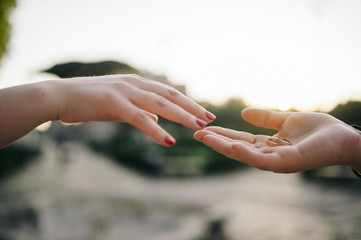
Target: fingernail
x,y
210,116
201,123
169,140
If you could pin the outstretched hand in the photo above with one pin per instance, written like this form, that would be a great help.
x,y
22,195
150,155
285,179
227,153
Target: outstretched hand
x,y
124,98
131,99
318,140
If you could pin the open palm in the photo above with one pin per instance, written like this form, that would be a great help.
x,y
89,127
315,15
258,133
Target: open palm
x,y
318,139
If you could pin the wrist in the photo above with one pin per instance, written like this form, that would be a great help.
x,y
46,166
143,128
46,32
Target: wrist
x,y
46,94
355,152
23,108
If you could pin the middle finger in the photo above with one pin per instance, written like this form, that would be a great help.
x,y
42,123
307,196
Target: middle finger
x,y
159,105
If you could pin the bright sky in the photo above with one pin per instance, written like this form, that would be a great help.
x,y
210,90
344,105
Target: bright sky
x,y
304,54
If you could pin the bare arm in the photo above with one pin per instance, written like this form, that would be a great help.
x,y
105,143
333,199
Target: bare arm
x,y
123,98
22,109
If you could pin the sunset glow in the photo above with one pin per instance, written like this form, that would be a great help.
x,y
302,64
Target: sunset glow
x,y
295,54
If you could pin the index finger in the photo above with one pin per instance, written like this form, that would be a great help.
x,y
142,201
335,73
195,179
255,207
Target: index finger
x,y
264,117
232,134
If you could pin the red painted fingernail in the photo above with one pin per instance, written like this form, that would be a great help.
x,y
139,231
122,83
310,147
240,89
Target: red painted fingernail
x,y
210,116
169,140
201,123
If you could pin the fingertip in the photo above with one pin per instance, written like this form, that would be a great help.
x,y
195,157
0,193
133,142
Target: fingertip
x,y
198,135
264,117
201,123
201,134
147,123
212,128
245,110
246,113
248,110
208,139
210,116
170,141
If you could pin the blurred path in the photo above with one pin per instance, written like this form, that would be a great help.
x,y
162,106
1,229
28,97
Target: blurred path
x,y
78,194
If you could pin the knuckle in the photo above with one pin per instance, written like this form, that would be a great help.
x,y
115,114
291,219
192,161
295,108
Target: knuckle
x,y
132,78
158,100
172,91
122,87
110,96
161,103
139,118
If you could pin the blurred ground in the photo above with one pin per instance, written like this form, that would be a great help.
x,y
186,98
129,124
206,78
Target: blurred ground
x,y
73,193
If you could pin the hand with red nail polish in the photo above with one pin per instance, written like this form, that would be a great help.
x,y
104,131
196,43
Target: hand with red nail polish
x,y
123,98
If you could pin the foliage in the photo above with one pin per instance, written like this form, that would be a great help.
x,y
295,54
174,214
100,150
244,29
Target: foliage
x,y
5,9
350,112
229,115
77,69
131,148
125,147
14,158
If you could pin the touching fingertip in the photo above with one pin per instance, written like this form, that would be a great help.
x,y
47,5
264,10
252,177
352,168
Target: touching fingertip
x,y
196,136
201,123
210,116
169,141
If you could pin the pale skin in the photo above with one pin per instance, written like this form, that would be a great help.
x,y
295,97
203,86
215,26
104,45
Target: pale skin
x,y
122,98
318,140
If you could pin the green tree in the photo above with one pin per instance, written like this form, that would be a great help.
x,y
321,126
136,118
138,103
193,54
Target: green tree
x,y
5,9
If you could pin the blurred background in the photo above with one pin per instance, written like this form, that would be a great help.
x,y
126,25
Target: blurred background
x,y
109,181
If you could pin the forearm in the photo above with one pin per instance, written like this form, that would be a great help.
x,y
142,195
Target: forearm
x,y
23,108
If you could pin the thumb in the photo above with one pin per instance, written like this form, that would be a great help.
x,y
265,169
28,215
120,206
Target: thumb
x,y
264,117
